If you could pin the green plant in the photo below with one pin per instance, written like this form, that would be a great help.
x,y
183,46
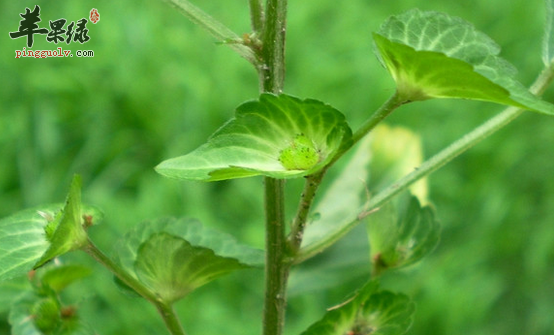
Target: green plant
x,y
430,55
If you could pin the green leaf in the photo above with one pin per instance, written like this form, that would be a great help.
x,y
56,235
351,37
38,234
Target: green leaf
x,y
432,55
369,312
276,136
66,232
402,237
59,277
548,41
171,267
172,257
23,240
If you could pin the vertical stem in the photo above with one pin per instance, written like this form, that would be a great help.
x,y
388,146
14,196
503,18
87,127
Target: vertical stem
x,y
272,77
273,50
276,271
256,15
170,319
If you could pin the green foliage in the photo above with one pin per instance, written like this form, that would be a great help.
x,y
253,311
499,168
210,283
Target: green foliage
x,y
370,311
59,277
111,117
67,231
403,236
173,257
433,55
172,267
33,237
22,241
260,140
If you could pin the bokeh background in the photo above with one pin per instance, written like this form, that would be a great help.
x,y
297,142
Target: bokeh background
x,y
158,86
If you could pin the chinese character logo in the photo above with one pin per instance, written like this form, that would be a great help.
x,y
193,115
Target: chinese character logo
x,y
28,26
75,32
94,16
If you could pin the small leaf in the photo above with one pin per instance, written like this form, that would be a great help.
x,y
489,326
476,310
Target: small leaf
x,y
276,136
399,238
66,231
23,239
59,277
432,55
370,312
171,267
173,257
548,41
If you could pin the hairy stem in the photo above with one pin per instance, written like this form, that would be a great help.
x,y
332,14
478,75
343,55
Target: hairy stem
x,y
272,71
299,222
166,311
272,77
257,15
276,271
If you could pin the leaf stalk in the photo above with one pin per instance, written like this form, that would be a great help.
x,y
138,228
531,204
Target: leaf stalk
x,y
166,311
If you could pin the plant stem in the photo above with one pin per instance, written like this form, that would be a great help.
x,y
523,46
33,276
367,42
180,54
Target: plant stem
x,y
256,15
166,311
125,277
299,222
215,28
272,77
276,271
170,318
272,71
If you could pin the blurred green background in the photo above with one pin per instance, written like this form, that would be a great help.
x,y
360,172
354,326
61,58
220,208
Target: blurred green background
x,y
158,86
